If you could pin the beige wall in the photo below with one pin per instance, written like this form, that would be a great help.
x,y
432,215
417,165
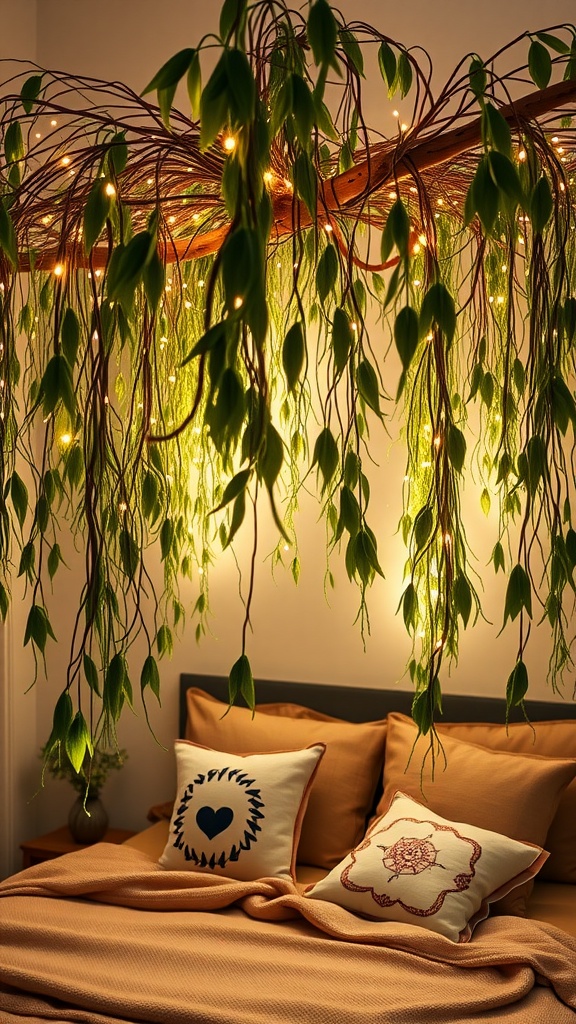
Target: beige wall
x,y
298,633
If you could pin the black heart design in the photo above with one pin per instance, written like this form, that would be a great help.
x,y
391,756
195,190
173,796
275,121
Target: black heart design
x,y
212,822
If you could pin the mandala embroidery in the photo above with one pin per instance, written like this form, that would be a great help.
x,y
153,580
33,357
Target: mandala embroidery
x,y
409,856
218,817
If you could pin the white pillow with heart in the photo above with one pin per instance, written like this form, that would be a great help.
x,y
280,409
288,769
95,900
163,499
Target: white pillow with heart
x,y
237,815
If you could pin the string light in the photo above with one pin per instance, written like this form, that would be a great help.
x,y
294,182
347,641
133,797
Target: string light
x,y
238,302
53,123
110,190
65,439
522,155
59,270
122,507
229,143
65,161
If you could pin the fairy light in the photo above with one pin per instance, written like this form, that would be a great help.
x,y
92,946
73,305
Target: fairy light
x,y
229,143
504,268
200,570
439,201
98,273
422,239
522,155
392,195
437,441
286,547
122,507
238,301
46,219
110,190
38,135
555,139
172,219
447,540
195,217
403,127
560,149
53,122
172,378
395,113
65,439
149,181
490,299
440,643
328,229
200,284
163,343
417,284
268,177
59,270
187,304
65,161
500,300
354,326
416,248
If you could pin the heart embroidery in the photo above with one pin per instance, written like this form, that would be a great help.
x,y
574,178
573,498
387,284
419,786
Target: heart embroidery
x,y
212,822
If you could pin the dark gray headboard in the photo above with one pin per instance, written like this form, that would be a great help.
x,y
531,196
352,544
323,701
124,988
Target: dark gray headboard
x,y
361,704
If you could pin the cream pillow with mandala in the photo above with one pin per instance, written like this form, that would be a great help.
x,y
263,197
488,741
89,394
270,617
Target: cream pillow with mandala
x,y
239,816
416,867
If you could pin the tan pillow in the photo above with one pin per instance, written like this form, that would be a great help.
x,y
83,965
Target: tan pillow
x,y
549,739
514,794
343,790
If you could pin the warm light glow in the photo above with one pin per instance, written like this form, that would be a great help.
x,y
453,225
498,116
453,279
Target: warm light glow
x,y
268,177
53,123
65,161
440,201
392,195
46,219
172,379
229,143
555,139
328,228
59,269
110,190
522,155
238,302
65,438
122,507
422,239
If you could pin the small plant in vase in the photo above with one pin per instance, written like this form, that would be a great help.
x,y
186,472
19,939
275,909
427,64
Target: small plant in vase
x,y
88,818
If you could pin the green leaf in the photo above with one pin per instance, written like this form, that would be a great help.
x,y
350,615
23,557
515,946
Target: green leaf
x,y
553,42
293,354
61,719
130,266
96,211
438,308
70,336
403,74
19,496
326,456
8,241
166,538
305,182
516,687
57,386
365,556
194,85
367,384
387,64
164,641
410,608
213,106
91,673
241,682
485,502
541,205
399,222
54,559
129,553
149,495
506,177
207,342
238,513
303,110
38,628
171,72
13,143
342,338
406,334
322,33
165,101
539,64
327,272
499,130
113,693
154,280
497,557
477,77
270,459
234,487
518,594
350,516
30,92
150,676
118,153
456,447
4,602
484,196
241,87
423,525
571,546
78,741
462,595
231,17
487,389
349,44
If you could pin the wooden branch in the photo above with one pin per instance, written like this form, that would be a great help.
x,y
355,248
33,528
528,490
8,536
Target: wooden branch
x,y
361,180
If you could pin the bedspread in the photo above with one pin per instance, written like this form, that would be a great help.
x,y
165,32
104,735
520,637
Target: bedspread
x,y
105,935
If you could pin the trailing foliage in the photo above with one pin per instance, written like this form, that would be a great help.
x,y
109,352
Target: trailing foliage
x,y
188,309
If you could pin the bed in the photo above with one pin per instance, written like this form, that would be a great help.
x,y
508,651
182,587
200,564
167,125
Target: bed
x,y
130,934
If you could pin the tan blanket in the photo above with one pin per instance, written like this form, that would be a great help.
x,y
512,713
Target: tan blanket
x,y
104,935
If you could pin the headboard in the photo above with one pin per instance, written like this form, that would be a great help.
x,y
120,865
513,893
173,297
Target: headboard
x,y
364,704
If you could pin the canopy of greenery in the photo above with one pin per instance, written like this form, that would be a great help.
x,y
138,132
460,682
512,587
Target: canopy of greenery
x,y
187,310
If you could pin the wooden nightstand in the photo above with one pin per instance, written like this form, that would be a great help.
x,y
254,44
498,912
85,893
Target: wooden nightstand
x,y
54,844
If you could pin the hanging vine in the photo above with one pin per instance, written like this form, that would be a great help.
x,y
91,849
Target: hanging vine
x,y
183,297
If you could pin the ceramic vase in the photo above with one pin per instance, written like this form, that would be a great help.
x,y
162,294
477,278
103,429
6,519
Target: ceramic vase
x,y
88,824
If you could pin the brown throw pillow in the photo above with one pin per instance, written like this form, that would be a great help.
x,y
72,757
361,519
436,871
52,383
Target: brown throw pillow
x,y
514,794
548,739
343,790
